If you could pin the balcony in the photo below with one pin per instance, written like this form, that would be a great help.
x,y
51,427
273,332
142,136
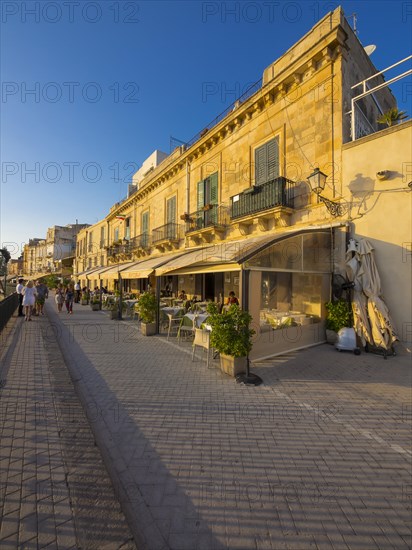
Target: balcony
x,y
271,200
120,251
207,223
140,245
166,236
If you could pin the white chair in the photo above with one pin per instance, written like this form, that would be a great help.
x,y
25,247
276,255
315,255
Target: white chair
x,y
202,340
174,322
187,325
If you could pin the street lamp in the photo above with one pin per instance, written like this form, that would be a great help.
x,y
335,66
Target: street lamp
x,y
317,181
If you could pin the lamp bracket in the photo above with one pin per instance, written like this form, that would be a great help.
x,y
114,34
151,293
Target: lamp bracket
x,y
335,208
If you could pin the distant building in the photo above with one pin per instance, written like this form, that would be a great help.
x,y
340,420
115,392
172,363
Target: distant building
x,y
44,256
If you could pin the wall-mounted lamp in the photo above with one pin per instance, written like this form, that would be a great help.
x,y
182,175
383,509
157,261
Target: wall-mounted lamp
x,y
383,175
317,182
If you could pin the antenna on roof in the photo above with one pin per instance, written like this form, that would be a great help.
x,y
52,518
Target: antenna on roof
x,y
355,18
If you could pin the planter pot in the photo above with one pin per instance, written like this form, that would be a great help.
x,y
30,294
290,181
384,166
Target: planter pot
x,y
114,314
232,365
331,336
84,302
148,329
95,307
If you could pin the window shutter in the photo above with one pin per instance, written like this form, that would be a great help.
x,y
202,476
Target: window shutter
x,y
272,159
267,162
214,188
200,195
171,210
145,228
260,165
145,222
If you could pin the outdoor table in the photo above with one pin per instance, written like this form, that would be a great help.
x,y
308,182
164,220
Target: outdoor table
x,y
201,318
130,306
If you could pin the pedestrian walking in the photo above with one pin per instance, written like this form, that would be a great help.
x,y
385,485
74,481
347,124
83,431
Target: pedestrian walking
x,y
42,293
29,298
59,298
69,297
19,290
77,289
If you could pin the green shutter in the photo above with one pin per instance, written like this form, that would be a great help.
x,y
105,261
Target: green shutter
x,y
272,159
267,162
200,195
214,188
145,228
171,210
145,223
260,165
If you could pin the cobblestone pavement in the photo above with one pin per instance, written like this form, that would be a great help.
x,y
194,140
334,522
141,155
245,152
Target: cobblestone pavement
x,y
54,490
317,457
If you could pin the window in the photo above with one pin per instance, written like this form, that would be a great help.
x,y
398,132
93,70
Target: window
x,y
171,210
145,228
127,229
207,191
116,234
102,236
267,162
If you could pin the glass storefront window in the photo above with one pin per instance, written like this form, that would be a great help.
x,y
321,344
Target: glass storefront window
x,y
306,252
291,299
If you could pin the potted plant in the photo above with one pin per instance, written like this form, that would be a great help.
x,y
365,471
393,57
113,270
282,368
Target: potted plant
x,y
339,315
231,336
114,309
95,303
85,297
147,307
392,116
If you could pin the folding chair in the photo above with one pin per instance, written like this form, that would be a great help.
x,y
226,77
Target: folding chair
x,y
202,340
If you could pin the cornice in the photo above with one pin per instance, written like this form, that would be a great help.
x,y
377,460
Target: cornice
x,y
325,51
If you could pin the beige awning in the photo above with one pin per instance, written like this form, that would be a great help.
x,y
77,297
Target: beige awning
x,y
87,272
144,268
114,271
222,256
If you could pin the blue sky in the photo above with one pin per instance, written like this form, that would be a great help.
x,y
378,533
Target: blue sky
x,y
111,81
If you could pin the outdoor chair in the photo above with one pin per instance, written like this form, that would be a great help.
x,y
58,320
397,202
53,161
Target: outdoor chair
x,y
135,312
174,322
202,340
187,326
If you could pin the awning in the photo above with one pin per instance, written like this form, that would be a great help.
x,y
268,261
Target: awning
x,y
83,273
113,272
96,272
143,269
224,256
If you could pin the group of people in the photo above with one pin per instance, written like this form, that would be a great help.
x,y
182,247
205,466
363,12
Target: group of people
x,y
31,298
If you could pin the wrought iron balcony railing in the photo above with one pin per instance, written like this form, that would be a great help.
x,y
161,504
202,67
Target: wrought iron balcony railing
x,y
212,215
167,232
141,241
277,192
116,249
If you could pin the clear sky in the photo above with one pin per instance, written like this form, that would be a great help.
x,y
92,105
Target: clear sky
x,y
91,88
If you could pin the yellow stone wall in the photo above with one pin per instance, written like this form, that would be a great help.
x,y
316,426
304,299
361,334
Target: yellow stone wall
x,y
381,211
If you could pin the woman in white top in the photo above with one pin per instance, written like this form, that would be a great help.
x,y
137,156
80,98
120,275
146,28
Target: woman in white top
x,y
29,297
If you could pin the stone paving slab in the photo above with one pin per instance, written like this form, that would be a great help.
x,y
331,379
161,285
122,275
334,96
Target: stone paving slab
x,y
50,469
317,457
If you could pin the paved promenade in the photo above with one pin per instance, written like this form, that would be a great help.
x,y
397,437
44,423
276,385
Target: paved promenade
x,y
54,490
317,457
